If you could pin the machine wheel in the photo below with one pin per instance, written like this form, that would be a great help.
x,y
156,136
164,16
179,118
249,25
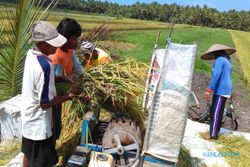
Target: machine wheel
x,y
122,139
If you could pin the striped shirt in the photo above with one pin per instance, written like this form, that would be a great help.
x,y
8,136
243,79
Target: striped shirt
x,y
38,87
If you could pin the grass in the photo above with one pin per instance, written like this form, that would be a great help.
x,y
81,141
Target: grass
x,y
144,42
184,159
236,149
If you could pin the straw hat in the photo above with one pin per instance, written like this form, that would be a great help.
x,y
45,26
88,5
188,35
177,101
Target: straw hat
x,y
209,54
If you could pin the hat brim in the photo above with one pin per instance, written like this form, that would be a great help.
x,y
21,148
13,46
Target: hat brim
x,y
58,41
211,55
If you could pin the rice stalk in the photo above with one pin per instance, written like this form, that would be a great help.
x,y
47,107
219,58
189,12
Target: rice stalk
x,y
8,150
70,134
241,40
100,32
235,149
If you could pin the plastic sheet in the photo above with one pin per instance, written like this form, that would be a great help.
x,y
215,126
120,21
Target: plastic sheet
x,y
168,111
10,118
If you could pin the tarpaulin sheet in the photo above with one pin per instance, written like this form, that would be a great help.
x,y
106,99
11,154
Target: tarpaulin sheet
x,y
167,100
10,118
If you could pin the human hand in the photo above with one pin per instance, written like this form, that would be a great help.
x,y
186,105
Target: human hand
x,y
207,93
76,89
84,98
70,78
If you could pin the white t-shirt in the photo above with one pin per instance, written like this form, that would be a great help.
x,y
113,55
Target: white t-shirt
x,y
38,87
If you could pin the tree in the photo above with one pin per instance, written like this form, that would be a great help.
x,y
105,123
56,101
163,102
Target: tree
x,y
17,43
194,15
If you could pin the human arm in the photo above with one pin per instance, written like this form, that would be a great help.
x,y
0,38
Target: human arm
x,y
44,87
59,77
77,67
216,73
207,93
74,91
56,101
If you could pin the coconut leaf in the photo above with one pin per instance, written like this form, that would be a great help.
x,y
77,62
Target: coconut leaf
x,y
17,42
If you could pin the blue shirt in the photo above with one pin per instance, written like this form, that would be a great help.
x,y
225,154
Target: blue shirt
x,y
221,82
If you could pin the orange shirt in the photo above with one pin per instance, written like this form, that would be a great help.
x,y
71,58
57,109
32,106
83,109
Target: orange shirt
x,y
64,59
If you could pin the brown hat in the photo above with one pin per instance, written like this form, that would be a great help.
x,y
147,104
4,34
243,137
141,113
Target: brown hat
x,y
209,54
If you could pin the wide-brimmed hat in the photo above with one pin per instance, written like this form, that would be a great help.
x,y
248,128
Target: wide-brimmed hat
x,y
44,31
209,54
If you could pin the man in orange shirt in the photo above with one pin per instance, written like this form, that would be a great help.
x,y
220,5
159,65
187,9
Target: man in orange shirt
x,y
95,56
65,63
65,60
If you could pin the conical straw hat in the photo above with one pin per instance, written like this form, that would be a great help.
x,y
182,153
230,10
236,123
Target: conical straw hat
x,y
209,54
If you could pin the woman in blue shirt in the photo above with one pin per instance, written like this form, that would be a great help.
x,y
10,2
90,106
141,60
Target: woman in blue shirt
x,y
220,84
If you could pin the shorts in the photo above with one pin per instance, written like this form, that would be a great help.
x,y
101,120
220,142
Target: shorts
x,y
40,153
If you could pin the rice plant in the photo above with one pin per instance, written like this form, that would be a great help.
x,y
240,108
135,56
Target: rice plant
x,y
242,40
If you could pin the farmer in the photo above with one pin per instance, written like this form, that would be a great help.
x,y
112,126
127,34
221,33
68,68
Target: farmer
x,y
220,84
38,96
95,56
65,63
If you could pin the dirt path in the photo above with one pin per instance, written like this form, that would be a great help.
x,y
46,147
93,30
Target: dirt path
x,y
240,99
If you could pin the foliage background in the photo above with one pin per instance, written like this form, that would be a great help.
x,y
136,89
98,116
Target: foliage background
x,y
193,15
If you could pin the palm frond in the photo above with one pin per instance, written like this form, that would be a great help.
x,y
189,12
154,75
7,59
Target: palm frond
x,y
17,42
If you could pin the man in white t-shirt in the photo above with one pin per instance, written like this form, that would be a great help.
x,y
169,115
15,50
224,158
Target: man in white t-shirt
x,y
38,96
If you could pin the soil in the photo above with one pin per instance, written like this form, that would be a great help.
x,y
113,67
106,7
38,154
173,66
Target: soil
x,y
241,101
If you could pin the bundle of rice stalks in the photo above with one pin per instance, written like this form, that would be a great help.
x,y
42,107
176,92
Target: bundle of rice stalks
x,y
8,150
118,83
235,149
71,131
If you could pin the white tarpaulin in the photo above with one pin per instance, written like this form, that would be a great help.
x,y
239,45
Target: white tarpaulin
x,y
10,118
168,94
